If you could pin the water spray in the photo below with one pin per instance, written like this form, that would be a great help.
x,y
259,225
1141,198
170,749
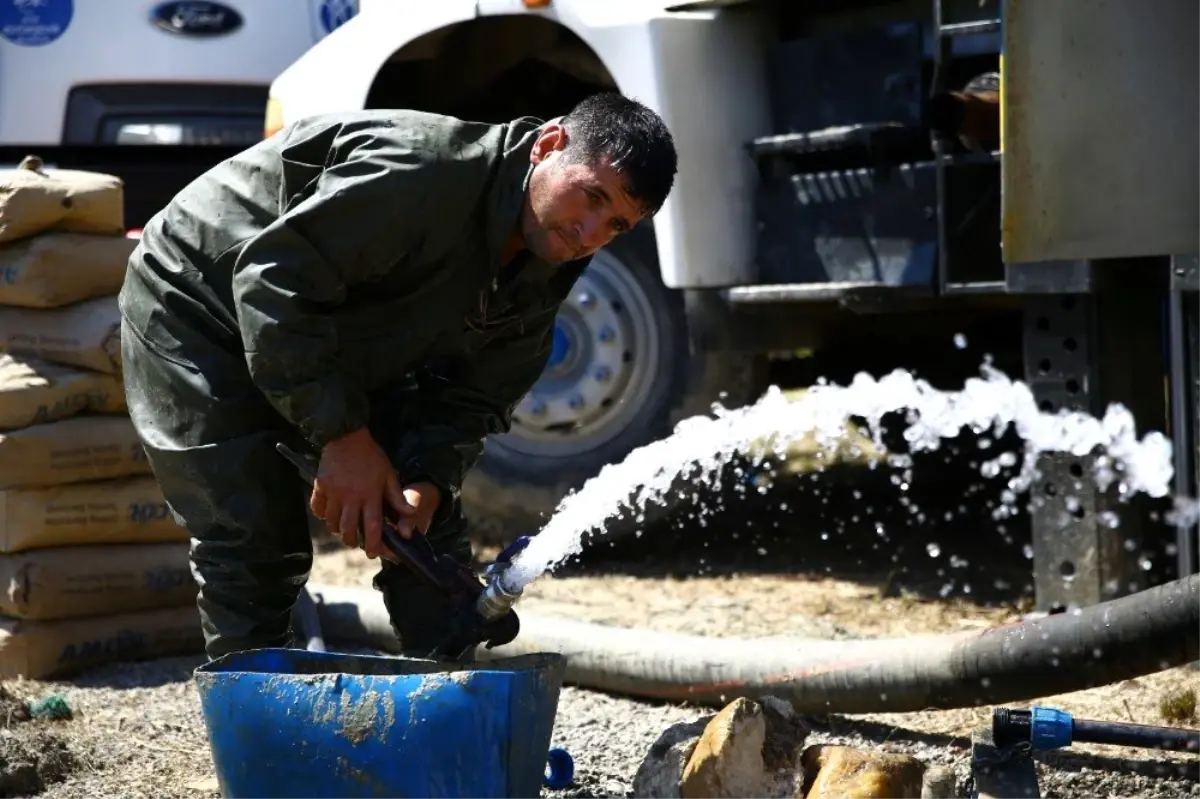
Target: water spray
x,y
993,401
1152,630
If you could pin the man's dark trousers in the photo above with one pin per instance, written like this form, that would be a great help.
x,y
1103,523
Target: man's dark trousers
x,y
210,437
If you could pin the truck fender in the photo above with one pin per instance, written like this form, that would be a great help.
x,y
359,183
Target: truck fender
x,y
359,48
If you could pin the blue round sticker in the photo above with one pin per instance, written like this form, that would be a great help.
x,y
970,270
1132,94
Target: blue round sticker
x,y
335,13
35,22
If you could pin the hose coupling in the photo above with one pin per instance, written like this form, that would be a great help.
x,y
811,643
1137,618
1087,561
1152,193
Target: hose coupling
x,y
497,598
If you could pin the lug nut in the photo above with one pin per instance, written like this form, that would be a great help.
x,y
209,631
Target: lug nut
x,y
538,408
607,334
602,374
576,402
586,300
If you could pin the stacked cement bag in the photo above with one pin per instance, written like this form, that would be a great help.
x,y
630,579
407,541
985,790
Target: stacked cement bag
x,y
93,568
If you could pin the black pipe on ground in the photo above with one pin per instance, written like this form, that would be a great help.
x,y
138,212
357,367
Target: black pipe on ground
x,y
1117,640
1051,728
1120,733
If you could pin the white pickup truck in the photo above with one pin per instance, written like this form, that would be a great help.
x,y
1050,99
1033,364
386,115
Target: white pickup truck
x,y
153,92
809,211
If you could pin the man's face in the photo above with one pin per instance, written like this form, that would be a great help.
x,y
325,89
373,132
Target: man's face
x,y
572,209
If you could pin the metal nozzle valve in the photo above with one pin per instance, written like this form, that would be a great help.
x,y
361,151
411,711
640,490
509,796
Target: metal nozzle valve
x,y
497,597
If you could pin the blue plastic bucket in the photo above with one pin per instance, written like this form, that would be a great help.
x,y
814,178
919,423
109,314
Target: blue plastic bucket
x,y
292,723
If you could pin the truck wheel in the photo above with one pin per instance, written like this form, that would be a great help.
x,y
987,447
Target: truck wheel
x,y
621,375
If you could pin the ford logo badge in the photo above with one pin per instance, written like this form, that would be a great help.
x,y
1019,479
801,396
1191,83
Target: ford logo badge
x,y
196,18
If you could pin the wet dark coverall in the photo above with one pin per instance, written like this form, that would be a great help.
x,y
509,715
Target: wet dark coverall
x,y
344,272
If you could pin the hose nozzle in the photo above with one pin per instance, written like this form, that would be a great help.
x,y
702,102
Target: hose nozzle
x,y
498,597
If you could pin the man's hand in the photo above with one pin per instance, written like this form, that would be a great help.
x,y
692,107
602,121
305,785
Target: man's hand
x,y
424,498
353,481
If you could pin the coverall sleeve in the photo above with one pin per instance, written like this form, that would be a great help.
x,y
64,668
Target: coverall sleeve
x,y
350,224
473,398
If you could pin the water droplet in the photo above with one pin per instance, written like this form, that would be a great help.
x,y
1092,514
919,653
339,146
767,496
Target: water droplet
x,y
1027,551
933,549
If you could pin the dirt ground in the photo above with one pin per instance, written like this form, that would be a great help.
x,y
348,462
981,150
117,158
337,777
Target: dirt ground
x,y
768,605
828,557
137,729
753,605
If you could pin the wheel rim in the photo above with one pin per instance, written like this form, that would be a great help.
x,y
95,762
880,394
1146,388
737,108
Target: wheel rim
x,y
603,359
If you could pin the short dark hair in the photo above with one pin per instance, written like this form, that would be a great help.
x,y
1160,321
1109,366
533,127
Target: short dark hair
x,y
629,137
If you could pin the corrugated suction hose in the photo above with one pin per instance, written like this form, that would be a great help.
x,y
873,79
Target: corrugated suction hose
x,y
1140,634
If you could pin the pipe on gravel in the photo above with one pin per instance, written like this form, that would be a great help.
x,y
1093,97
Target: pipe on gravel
x,y
1129,637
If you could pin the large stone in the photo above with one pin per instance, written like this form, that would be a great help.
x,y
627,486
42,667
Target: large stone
x,y
728,759
841,772
661,771
731,744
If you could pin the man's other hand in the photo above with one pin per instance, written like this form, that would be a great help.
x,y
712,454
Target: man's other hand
x,y
424,498
354,479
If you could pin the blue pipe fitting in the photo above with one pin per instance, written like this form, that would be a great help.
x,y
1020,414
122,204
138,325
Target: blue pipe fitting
x,y
1050,728
560,769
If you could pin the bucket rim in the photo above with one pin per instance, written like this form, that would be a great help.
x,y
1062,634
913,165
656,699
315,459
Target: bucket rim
x,y
248,663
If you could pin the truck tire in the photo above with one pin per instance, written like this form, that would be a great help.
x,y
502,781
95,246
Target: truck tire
x,y
622,375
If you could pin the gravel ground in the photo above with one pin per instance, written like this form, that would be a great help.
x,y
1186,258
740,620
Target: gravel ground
x,y
138,731
608,736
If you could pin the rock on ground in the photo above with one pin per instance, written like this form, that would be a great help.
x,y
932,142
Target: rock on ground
x,y
659,775
728,759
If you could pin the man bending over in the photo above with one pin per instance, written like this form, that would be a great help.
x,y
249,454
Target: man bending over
x,y
378,287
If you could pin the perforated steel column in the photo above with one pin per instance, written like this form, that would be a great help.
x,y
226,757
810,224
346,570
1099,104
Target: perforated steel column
x,y
1082,352
1064,506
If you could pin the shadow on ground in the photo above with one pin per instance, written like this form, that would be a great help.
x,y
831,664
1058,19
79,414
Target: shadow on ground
x,y
138,674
